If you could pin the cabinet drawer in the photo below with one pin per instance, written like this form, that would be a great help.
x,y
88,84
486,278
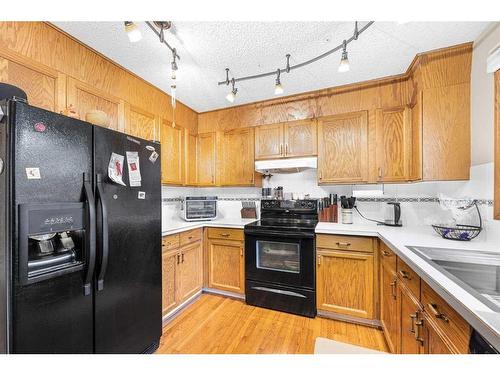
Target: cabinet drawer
x,y
189,236
408,277
170,242
351,243
227,234
387,256
449,322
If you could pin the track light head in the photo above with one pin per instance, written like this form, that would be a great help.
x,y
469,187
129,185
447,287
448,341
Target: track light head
x,y
344,61
174,62
278,88
133,32
232,94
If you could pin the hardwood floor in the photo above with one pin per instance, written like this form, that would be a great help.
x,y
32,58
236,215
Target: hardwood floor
x,y
220,325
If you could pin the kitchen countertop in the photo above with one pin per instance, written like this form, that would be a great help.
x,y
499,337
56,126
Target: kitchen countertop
x,y
481,317
177,226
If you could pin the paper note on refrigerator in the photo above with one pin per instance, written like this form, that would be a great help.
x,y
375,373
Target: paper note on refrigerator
x,y
134,171
115,168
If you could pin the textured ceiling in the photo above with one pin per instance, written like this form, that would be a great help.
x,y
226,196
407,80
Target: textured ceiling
x,y
207,48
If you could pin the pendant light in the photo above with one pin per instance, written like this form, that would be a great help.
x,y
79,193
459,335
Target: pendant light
x,y
278,88
133,32
232,94
344,61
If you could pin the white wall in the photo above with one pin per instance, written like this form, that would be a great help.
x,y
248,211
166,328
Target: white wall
x,y
482,97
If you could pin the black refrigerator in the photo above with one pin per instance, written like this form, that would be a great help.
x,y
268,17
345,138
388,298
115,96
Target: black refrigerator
x,y
80,236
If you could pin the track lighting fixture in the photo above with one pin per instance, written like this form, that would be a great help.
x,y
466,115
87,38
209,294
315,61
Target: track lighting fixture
x,y
344,61
232,94
278,88
174,62
133,32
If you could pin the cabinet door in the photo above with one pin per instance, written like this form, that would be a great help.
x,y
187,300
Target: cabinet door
x,y
393,144
207,158
301,138
343,148
389,307
411,341
446,133
142,124
191,159
345,283
238,162
190,271
45,87
87,98
433,342
168,269
226,265
171,154
416,139
269,141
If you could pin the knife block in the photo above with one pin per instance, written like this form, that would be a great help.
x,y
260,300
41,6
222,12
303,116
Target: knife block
x,y
249,213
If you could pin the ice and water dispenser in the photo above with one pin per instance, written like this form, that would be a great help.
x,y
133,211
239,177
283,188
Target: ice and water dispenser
x,y
51,240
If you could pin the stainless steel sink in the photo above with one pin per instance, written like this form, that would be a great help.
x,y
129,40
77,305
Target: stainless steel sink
x,y
478,272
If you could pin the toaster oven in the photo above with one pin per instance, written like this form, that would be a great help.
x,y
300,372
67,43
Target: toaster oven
x,y
200,208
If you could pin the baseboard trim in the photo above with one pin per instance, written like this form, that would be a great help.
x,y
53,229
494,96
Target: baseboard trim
x,y
173,313
224,293
350,319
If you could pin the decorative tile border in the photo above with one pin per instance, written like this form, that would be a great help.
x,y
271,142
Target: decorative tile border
x,y
480,202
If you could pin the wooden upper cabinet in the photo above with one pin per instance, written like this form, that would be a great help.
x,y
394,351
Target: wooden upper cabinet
x,y
207,158
238,162
87,98
300,138
191,159
416,139
393,144
142,124
446,133
172,146
269,141
343,148
45,87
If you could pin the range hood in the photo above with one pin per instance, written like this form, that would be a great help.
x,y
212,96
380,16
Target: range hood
x,y
292,165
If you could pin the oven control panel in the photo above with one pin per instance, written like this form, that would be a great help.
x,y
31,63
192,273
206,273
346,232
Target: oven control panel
x,y
302,204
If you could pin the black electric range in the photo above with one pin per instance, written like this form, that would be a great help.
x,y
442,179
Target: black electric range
x,y
280,257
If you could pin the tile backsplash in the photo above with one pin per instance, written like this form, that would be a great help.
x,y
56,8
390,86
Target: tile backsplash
x,y
419,202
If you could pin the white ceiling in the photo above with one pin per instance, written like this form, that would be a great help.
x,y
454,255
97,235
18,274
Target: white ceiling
x,y
207,48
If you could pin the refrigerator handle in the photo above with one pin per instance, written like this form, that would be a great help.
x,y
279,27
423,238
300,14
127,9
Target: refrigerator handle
x,y
90,233
105,239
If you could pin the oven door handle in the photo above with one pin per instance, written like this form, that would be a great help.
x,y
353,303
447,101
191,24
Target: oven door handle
x,y
284,234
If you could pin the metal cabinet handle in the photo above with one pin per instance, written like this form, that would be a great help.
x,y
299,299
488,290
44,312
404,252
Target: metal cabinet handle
x,y
320,175
417,331
386,253
393,289
405,275
182,258
379,173
178,258
436,313
190,237
281,149
343,244
241,252
413,317
224,234
319,260
286,149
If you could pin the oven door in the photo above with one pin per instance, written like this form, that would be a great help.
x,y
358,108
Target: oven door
x,y
281,258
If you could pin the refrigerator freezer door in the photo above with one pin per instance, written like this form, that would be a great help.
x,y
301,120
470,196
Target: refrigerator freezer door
x,y
128,275
49,154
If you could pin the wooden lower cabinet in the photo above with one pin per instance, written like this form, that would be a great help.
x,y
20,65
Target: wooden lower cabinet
x,y
409,310
389,316
433,341
345,283
226,265
182,271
